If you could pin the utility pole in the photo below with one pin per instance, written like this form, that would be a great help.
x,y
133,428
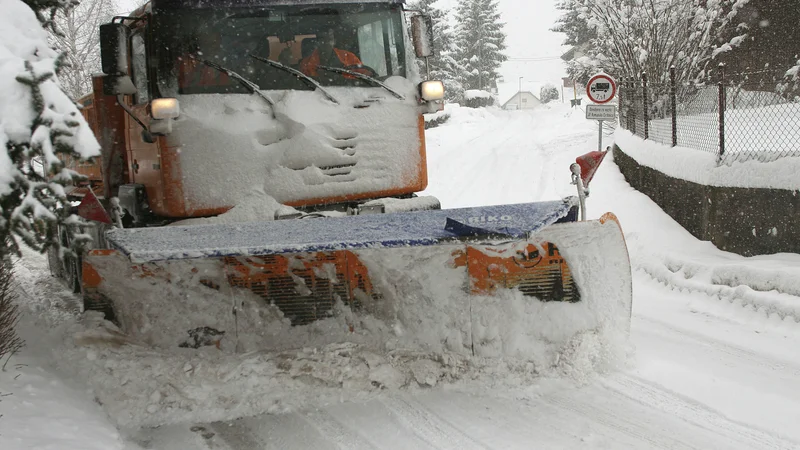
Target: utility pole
x,y
519,94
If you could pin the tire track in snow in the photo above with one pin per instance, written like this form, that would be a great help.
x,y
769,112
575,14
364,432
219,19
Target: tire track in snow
x,y
737,353
430,426
235,435
627,424
337,432
700,415
269,431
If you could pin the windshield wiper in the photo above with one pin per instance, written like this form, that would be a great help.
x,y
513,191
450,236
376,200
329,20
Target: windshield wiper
x,y
245,82
307,79
363,77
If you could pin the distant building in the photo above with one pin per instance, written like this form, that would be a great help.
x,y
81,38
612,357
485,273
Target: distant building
x,y
522,100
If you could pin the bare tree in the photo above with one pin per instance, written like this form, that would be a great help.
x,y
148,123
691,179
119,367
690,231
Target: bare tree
x,y
77,36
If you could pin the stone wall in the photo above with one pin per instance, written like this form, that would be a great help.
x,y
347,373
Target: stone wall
x,y
747,221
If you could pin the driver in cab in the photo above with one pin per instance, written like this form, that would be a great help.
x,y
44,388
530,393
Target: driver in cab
x,y
326,54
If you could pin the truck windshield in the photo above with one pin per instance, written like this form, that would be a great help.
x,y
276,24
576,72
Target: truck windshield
x,y
367,39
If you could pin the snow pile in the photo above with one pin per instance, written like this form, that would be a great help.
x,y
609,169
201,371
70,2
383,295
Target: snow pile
x,y
701,167
256,207
142,386
22,40
423,331
772,292
664,251
40,408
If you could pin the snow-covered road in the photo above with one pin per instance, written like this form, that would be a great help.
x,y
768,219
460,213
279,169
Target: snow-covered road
x,y
712,364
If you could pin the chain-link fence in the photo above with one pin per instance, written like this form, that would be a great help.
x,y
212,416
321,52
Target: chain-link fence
x,y
737,119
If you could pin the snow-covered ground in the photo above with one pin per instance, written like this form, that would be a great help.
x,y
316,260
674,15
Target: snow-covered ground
x,y
712,360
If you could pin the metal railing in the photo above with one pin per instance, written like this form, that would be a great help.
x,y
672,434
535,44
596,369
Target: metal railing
x,y
738,118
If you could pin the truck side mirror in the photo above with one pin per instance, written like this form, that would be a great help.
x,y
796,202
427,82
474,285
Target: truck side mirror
x,y
114,59
422,35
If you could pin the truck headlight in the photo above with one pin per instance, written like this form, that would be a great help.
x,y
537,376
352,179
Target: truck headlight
x,y
431,90
165,108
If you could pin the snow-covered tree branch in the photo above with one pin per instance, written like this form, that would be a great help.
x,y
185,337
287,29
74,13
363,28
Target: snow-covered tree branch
x,y
38,121
627,37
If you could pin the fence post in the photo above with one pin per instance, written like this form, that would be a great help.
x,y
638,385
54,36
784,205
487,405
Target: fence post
x,y
722,107
645,111
620,102
674,100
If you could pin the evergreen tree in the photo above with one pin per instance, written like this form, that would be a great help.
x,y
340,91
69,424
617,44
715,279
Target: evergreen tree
x,y
38,122
480,42
443,65
573,24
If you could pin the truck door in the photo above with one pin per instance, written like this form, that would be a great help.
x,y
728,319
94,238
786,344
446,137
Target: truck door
x,y
144,158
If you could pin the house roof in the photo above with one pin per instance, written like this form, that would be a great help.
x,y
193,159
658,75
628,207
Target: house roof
x,y
517,94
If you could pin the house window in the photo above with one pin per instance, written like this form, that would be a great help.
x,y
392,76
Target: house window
x,y
524,100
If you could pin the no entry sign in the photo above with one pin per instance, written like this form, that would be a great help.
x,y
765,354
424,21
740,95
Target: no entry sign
x,y
601,88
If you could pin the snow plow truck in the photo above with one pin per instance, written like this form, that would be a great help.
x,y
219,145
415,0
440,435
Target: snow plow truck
x,y
258,188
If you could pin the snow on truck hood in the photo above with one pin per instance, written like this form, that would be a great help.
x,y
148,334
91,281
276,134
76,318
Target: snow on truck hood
x,y
308,147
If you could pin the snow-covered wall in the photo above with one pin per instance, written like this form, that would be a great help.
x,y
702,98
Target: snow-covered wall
x,y
729,206
701,167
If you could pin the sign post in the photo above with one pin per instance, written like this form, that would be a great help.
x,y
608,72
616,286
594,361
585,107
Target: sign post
x,y
601,89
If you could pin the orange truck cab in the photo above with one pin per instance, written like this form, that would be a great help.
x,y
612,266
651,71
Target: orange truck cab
x,y
201,103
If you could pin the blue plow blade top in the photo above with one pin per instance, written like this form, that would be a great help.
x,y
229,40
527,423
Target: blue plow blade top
x,y
402,229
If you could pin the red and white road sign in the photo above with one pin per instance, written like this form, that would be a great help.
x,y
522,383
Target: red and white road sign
x,y
601,88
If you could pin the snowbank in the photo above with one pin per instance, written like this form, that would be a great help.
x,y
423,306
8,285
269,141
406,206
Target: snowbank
x,y
664,251
40,407
701,167
40,411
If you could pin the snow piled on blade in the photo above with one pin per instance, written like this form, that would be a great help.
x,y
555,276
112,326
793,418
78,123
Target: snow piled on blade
x,y
424,330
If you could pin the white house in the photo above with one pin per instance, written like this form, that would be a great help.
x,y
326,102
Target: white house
x,y
522,100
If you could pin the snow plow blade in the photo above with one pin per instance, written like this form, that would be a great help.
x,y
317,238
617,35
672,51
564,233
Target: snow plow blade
x,y
510,280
